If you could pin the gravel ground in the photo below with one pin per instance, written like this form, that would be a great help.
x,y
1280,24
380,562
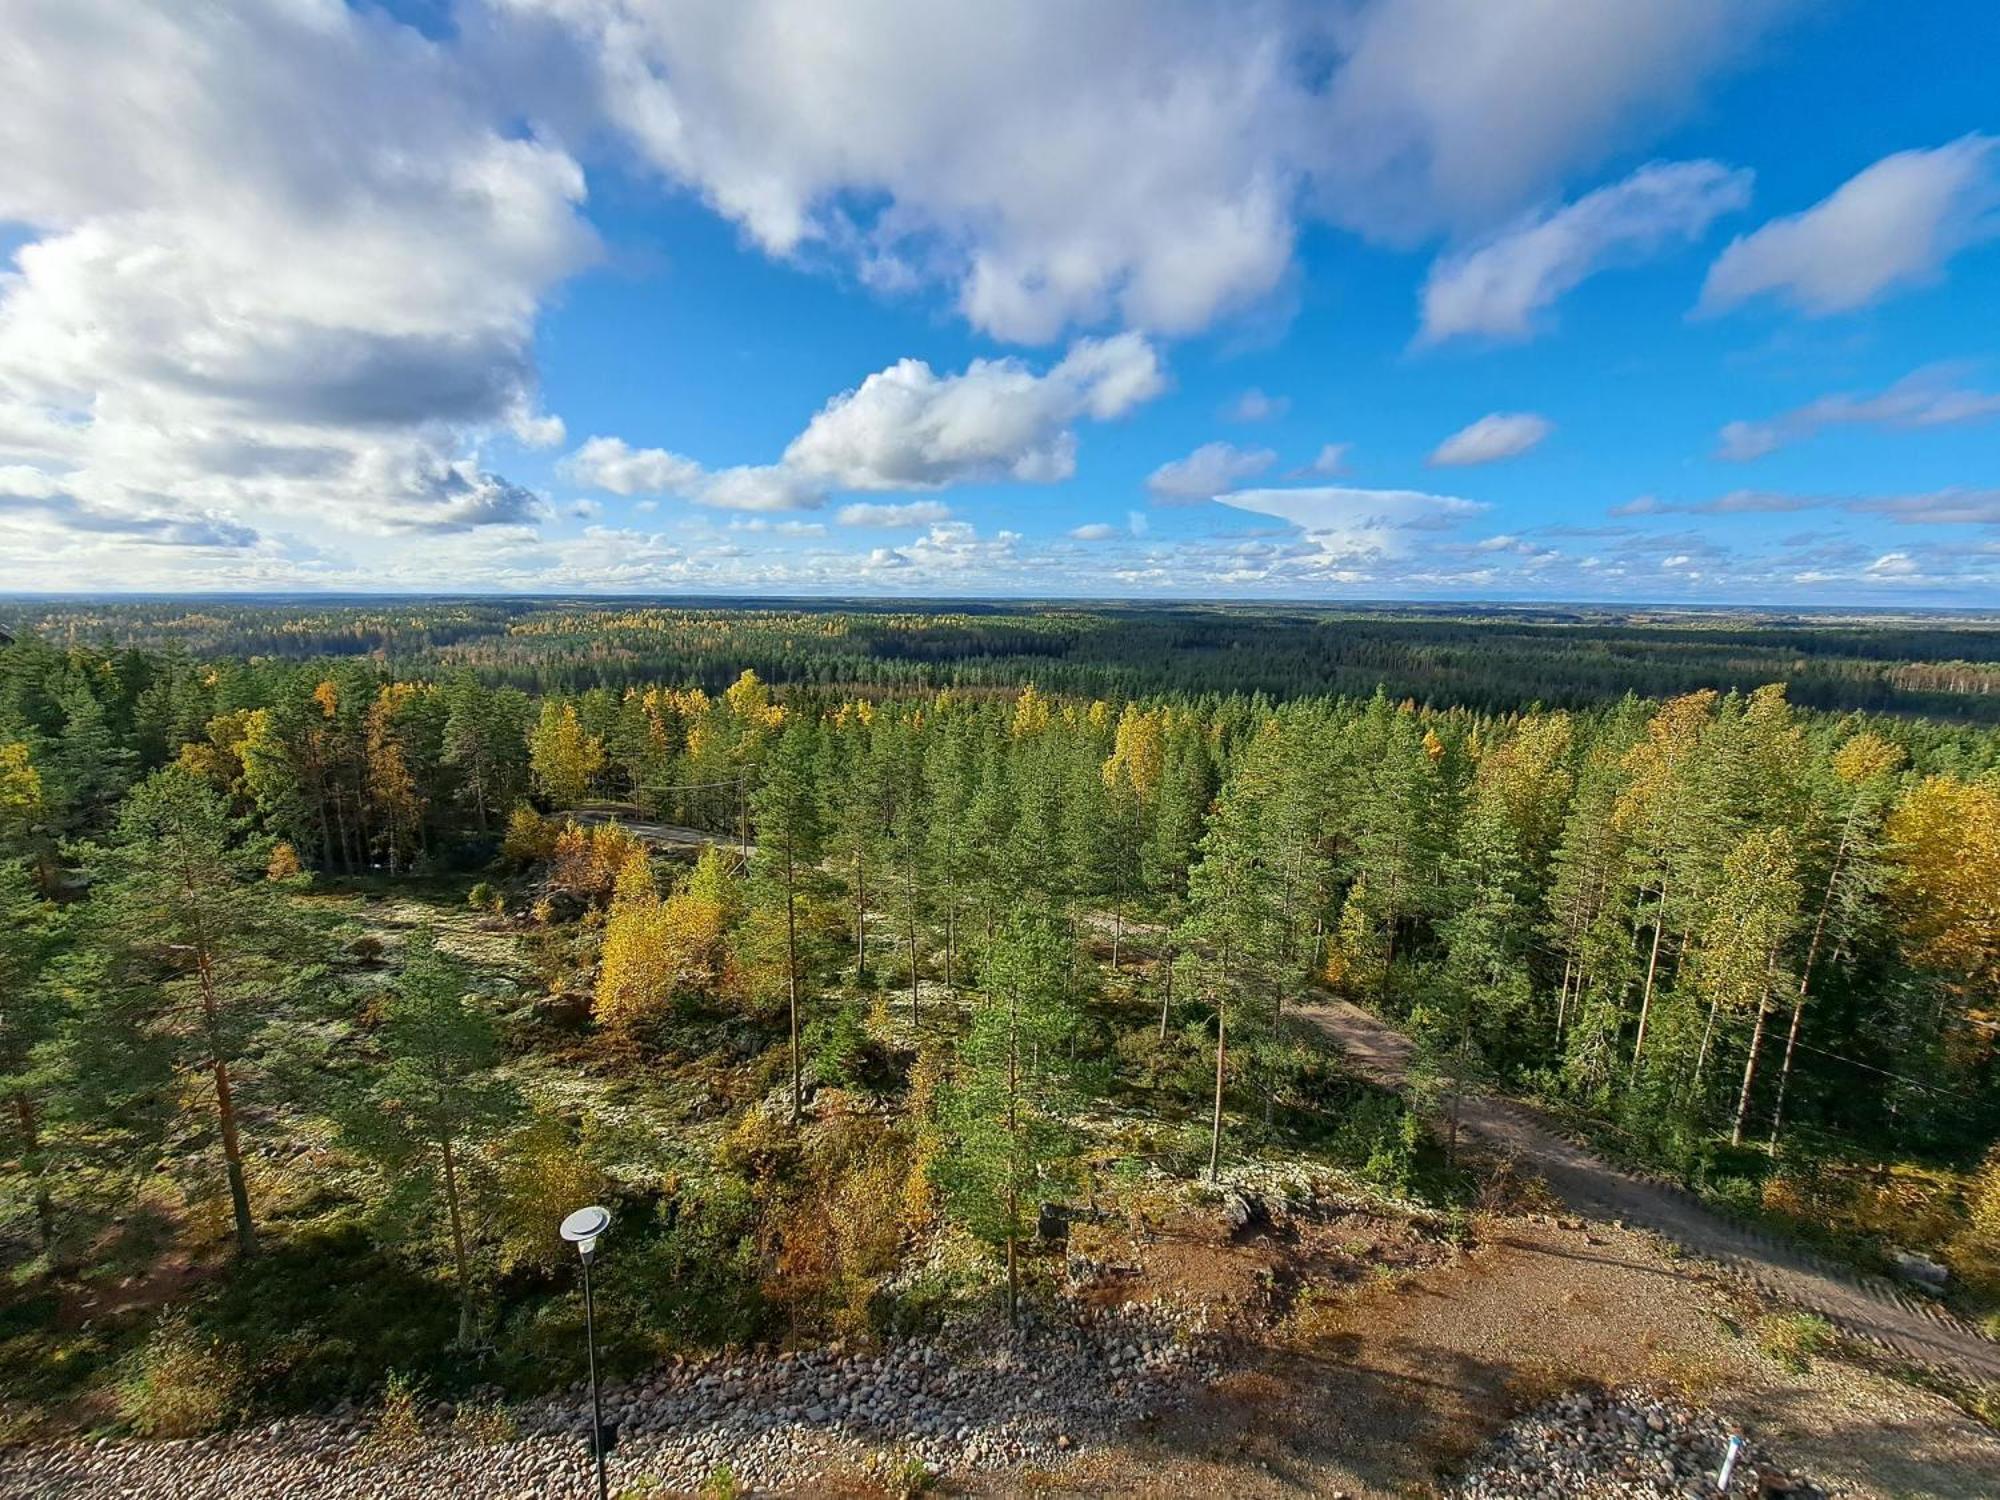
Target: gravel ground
x,y
1599,1446
780,1423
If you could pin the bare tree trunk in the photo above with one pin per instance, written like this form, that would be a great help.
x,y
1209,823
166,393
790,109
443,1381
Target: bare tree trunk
x,y
1750,1070
860,921
1806,971
1167,995
225,1107
792,982
1652,968
1215,1121
459,1259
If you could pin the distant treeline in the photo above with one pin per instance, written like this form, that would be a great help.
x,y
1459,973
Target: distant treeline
x,y
1493,659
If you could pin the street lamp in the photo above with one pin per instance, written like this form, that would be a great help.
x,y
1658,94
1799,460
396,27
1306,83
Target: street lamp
x,y
583,1229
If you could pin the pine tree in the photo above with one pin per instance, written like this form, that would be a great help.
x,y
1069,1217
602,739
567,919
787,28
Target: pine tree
x,y
1232,921
435,1101
195,922
1006,1109
29,937
790,845
1856,796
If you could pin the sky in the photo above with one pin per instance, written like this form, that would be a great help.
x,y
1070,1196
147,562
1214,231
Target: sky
x,y
1666,301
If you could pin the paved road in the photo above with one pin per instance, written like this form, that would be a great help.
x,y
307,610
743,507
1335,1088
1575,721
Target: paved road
x,y
660,835
1869,1307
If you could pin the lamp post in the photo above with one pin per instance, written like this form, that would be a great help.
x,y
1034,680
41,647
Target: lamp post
x,y
582,1229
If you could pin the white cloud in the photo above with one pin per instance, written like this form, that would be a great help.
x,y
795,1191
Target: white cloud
x,y
1894,565
1206,472
1894,224
606,463
1094,531
1331,460
1498,435
1255,406
1500,287
1137,522
1356,527
1948,507
1921,400
1176,145
909,428
292,276
915,513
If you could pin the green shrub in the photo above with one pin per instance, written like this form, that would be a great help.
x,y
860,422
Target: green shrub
x,y
399,1425
1792,1339
182,1383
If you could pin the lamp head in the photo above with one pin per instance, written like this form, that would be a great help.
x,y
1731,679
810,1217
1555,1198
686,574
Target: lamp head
x,y
584,1227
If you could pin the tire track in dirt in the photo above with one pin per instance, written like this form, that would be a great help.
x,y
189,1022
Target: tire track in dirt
x,y
1867,1307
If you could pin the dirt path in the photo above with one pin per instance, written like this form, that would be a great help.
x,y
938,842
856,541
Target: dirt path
x,y
1869,1308
1384,1394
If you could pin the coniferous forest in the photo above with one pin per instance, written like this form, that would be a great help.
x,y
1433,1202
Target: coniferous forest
x,y
346,949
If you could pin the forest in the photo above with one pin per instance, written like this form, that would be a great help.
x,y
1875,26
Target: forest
x,y
1493,657
339,958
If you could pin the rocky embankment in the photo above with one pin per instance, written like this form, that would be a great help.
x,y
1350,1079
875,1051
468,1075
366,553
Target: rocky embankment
x,y
1605,1446
775,1422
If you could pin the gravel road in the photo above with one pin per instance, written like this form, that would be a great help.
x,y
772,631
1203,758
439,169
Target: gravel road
x,y
1865,1307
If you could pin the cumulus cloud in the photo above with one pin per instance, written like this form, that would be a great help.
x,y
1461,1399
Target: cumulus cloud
x,y
1500,287
1921,400
1177,144
908,428
293,274
1094,531
1498,435
1893,225
1206,472
915,513
606,463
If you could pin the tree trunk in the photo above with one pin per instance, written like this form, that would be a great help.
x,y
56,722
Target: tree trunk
x,y
1215,1121
860,921
458,1256
1117,932
225,1107
1806,971
792,983
1167,994
1750,1070
31,1145
1013,1154
1652,968
910,918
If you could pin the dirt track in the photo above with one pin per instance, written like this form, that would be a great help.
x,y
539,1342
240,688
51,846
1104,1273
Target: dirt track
x,y
1866,1307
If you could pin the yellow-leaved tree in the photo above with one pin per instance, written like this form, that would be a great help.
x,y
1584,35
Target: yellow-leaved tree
x,y
563,755
1944,845
659,950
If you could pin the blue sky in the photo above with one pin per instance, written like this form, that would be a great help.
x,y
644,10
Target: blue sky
x,y
1682,302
